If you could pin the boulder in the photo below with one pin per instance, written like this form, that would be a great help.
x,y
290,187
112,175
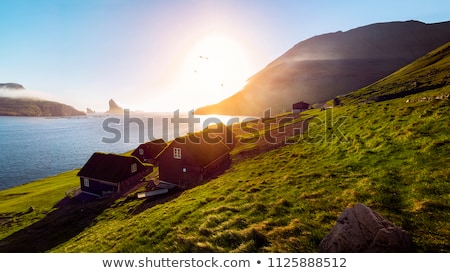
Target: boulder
x,y
360,229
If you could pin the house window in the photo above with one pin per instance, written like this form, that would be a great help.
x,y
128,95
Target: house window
x,y
177,153
141,151
86,182
133,168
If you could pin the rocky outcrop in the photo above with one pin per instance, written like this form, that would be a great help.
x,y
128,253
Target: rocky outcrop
x,y
90,111
114,108
360,229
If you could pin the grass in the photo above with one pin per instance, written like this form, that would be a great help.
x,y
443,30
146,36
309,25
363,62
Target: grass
x,y
27,204
395,161
391,155
394,157
429,72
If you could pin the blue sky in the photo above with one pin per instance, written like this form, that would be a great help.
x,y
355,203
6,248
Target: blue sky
x,y
165,55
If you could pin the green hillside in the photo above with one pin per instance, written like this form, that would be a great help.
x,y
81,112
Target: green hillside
x,y
429,72
392,155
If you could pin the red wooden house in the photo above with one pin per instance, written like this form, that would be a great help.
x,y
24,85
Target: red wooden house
x,y
193,159
149,151
300,107
107,174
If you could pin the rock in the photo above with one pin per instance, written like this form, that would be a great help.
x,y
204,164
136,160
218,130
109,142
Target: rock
x,y
114,108
360,229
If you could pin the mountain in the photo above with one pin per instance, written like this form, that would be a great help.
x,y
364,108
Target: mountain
x,y
324,66
35,108
11,86
14,101
114,108
430,72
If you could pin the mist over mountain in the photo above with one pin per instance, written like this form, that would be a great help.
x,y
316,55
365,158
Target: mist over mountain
x,y
15,100
324,66
13,86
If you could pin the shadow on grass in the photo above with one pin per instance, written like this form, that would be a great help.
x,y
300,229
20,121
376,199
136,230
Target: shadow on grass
x,y
390,192
70,217
73,215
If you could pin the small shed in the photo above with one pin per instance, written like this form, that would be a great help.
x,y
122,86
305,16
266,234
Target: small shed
x,y
149,151
108,174
300,107
192,159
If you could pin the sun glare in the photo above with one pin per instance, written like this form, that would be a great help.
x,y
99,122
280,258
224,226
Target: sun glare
x,y
214,69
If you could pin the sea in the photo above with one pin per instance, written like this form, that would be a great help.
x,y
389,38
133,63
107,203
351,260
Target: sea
x,y
32,148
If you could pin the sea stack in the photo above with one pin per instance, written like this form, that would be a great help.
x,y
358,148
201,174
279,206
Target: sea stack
x,y
114,108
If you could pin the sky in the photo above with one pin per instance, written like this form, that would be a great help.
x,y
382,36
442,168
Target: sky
x,y
164,55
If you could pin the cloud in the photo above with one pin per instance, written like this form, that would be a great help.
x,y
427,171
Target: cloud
x,y
24,94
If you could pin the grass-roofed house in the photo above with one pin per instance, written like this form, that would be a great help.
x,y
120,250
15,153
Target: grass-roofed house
x,y
192,159
223,132
108,174
299,107
149,151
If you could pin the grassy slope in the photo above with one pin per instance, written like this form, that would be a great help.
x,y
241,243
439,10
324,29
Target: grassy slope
x,y
42,195
286,200
427,73
392,156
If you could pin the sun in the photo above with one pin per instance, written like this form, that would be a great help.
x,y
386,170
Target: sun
x,y
214,68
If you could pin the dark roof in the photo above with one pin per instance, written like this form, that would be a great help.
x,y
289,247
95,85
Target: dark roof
x,y
198,151
223,132
300,105
151,149
110,167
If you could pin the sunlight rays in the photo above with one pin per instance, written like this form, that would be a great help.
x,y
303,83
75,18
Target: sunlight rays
x,y
214,69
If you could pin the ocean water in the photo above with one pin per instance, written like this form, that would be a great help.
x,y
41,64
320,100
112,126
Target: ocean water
x,y
32,148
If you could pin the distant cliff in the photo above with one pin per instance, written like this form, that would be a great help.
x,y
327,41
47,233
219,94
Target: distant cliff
x,y
35,108
114,108
13,103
